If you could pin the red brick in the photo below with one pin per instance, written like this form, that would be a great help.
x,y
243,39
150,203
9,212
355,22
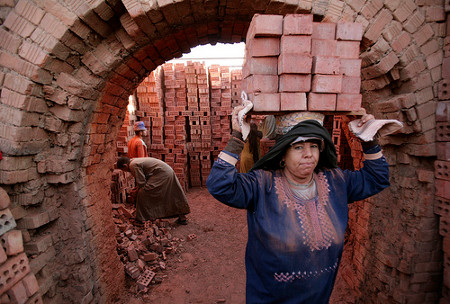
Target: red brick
x,y
260,65
265,26
12,242
29,11
31,285
18,293
349,31
347,49
324,30
298,24
404,10
33,53
294,63
295,44
13,270
423,34
348,102
446,68
293,102
393,30
442,188
3,256
414,21
9,42
375,30
321,102
412,69
443,131
357,5
264,47
4,200
371,8
401,42
326,65
321,47
443,151
19,25
327,83
425,110
435,13
384,66
442,114
53,26
350,67
261,84
295,83
265,102
351,85
444,89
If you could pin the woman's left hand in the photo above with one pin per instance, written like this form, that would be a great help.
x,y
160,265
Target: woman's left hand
x,y
365,118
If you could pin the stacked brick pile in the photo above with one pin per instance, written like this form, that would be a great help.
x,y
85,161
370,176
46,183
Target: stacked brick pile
x,y
199,122
144,109
174,104
187,110
236,87
125,133
220,106
295,64
18,284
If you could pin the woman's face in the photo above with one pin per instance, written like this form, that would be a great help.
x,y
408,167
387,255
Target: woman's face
x,y
301,159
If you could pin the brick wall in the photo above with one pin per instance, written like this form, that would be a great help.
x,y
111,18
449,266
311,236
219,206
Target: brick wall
x,y
66,71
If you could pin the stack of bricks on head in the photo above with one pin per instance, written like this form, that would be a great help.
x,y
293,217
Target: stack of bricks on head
x,y
294,64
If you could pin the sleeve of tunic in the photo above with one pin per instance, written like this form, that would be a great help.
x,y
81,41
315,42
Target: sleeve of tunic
x,y
370,180
234,189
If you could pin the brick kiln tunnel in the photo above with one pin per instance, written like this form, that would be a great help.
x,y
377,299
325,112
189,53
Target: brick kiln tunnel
x,y
67,69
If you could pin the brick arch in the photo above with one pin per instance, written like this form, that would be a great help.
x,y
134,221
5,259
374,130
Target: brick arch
x,y
67,70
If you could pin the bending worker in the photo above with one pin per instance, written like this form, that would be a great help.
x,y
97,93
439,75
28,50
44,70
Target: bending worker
x,y
160,194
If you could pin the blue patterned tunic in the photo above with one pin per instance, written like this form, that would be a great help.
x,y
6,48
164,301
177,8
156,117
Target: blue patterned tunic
x,y
294,247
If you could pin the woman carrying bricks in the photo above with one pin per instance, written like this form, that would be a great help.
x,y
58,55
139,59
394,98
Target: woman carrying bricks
x,y
296,199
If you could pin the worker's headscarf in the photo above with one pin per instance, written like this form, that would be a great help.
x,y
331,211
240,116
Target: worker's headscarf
x,y
307,128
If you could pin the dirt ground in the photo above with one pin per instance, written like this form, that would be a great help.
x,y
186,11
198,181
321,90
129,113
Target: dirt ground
x,y
209,268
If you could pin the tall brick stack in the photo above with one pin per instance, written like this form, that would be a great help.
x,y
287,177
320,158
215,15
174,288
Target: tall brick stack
x,y
189,106
295,64
236,87
125,133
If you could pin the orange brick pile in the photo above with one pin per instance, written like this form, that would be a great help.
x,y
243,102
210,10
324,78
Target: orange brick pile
x,y
295,64
186,109
144,249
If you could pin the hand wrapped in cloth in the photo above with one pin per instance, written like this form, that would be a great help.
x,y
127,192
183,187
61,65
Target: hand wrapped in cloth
x,y
240,127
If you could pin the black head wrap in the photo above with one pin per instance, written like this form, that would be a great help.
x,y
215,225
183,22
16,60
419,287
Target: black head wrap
x,y
327,159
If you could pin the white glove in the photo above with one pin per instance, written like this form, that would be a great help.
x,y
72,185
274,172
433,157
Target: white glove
x,y
247,106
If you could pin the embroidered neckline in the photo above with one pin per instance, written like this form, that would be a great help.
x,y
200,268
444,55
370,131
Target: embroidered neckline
x,y
299,186
317,227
